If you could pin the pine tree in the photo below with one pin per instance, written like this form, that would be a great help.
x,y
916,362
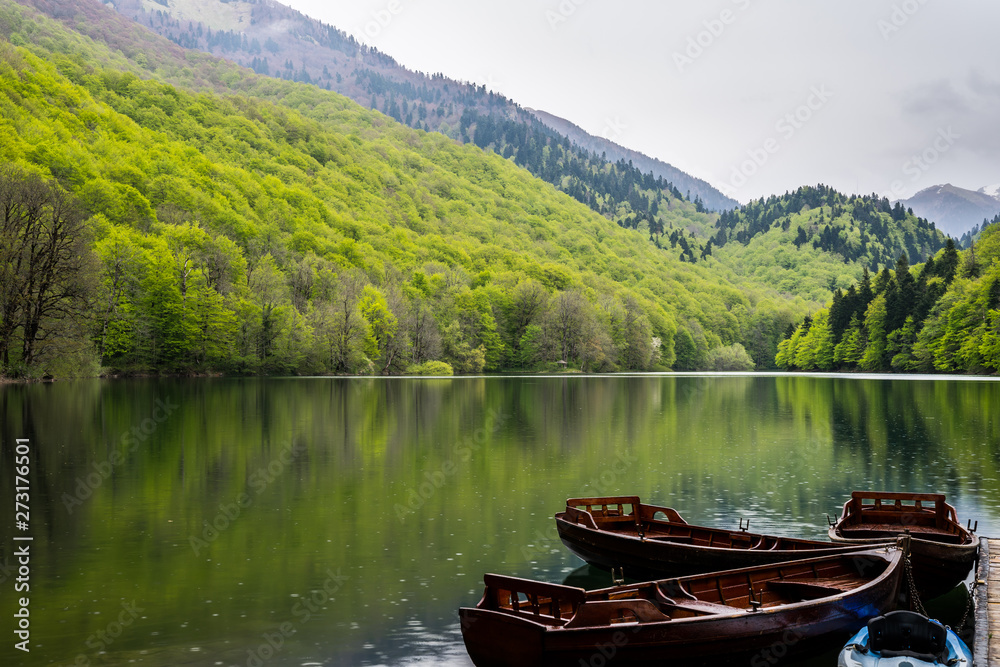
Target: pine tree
x,y
841,310
993,296
900,296
865,293
948,264
801,237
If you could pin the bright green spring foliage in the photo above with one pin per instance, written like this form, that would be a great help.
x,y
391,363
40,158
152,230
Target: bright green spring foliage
x,y
942,316
815,240
238,234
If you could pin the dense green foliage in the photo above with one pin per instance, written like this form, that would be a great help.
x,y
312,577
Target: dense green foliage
x,y
283,229
237,234
941,316
633,199
816,239
277,41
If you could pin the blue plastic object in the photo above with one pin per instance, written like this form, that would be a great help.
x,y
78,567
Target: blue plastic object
x,y
905,638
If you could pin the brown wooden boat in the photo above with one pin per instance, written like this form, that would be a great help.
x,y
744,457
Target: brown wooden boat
x,y
767,611
649,541
942,551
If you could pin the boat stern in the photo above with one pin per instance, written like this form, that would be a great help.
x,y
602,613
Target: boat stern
x,y
495,639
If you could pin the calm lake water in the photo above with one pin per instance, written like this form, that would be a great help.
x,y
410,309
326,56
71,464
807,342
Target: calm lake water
x,y
319,521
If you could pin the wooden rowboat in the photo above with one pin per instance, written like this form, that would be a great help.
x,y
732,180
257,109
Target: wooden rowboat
x,y
766,611
649,541
942,551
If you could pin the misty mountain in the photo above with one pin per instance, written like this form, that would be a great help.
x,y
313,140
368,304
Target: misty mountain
x,y
278,41
712,198
974,234
955,210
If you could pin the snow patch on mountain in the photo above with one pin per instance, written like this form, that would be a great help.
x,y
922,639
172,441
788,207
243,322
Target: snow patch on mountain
x,y
992,191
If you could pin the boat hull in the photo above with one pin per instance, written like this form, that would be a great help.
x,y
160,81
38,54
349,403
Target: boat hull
x,y
496,638
942,551
937,567
650,559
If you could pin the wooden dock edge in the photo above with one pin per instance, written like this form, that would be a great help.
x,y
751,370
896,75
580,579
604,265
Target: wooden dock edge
x,y
981,648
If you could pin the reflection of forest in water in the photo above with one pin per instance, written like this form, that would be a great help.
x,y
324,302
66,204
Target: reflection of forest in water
x,y
413,488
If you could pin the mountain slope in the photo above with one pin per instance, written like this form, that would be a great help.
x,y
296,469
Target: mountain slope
x,y
236,233
275,40
617,190
943,315
955,210
815,240
712,198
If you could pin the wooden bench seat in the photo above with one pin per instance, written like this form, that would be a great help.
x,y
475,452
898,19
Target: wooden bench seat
x,y
698,606
843,584
793,589
679,539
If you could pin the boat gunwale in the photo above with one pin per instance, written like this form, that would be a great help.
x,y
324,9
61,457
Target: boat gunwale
x,y
855,520
972,545
889,552
830,548
564,517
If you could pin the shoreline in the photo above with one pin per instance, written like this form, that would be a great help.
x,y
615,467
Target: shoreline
x,y
971,377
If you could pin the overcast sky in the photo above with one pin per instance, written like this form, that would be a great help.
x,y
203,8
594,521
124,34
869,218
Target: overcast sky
x,y
754,96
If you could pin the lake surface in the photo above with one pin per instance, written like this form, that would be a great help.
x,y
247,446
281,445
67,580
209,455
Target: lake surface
x,y
319,521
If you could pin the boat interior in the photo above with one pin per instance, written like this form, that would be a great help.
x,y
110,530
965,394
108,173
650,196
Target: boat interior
x,y
687,597
626,515
880,514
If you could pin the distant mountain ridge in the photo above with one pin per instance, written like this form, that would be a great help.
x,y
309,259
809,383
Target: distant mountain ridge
x,y
278,41
954,209
712,198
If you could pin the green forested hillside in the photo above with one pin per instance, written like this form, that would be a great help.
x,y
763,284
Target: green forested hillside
x,y
281,228
815,240
233,233
278,41
943,315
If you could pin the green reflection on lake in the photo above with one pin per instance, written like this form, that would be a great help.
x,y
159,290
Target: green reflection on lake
x,y
347,519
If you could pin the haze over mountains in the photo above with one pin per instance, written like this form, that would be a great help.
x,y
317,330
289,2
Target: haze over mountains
x,y
275,40
713,199
954,209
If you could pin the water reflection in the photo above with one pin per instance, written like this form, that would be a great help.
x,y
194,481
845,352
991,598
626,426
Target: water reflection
x,y
219,506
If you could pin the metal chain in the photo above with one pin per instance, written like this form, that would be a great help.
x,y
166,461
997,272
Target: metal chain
x,y
968,607
914,597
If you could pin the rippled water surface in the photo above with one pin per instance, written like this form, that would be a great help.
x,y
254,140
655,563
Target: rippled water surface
x,y
318,521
